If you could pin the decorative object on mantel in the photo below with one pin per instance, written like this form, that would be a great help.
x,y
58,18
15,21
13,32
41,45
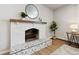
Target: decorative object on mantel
x,y
23,15
25,21
53,28
40,19
31,11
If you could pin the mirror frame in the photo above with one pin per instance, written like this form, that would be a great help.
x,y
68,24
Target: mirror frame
x,y
33,6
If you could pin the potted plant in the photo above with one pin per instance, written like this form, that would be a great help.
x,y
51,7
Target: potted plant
x,y
53,28
23,15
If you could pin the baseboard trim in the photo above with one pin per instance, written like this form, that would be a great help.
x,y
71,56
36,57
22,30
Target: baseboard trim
x,y
4,51
60,38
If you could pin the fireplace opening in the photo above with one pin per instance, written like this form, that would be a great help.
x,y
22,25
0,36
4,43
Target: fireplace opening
x,y
31,34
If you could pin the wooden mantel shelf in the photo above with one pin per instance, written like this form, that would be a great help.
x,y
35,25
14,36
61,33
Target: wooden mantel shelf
x,y
26,21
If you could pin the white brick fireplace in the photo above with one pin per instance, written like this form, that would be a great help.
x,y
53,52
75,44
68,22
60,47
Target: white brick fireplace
x,y
18,34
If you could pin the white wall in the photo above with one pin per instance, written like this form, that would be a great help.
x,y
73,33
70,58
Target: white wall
x,y
8,12
78,13
47,15
64,17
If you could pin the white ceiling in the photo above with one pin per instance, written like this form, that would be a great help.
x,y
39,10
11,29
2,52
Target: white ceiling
x,y
54,6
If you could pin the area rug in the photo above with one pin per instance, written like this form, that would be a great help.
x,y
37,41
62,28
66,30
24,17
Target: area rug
x,y
66,50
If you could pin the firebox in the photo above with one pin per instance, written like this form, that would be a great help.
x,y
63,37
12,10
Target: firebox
x,y
31,34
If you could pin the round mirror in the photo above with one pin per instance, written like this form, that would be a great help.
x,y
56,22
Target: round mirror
x,y
31,11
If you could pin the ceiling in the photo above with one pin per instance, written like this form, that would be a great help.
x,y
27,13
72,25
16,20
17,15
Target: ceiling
x,y
54,6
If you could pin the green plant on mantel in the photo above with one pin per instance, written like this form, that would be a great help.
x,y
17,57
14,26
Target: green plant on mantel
x,y
53,28
23,14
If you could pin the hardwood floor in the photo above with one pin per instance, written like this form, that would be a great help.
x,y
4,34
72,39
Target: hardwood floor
x,y
46,51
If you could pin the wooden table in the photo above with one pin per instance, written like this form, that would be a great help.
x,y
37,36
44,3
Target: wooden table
x,y
73,37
